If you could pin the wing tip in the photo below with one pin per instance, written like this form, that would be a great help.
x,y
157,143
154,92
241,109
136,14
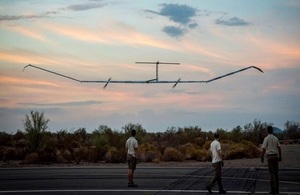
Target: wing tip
x,y
26,67
258,69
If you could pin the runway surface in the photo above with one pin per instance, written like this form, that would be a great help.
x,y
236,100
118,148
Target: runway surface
x,y
150,180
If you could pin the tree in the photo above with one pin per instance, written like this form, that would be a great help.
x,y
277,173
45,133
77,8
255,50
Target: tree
x,y
256,132
292,129
35,125
140,131
236,134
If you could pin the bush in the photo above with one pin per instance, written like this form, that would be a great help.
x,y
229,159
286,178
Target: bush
x,y
206,145
189,151
172,154
149,153
99,148
10,153
203,155
47,149
1,152
113,155
22,143
63,156
152,156
5,139
32,158
245,149
81,153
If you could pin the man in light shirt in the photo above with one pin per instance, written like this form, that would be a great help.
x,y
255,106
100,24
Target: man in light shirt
x,y
217,163
271,147
132,155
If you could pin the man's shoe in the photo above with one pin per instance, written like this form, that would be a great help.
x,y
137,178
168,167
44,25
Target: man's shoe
x,y
222,192
131,184
208,189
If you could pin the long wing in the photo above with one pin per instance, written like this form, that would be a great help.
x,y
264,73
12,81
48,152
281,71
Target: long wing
x,y
231,73
152,81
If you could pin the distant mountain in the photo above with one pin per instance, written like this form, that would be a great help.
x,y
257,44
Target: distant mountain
x,y
277,130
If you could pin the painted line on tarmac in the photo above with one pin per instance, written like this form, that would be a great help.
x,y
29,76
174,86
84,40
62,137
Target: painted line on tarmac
x,y
134,190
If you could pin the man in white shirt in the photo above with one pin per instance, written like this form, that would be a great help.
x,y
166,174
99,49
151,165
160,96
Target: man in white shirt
x,y
132,154
271,147
217,163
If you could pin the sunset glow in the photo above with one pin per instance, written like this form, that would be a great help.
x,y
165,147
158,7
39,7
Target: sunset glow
x,y
104,39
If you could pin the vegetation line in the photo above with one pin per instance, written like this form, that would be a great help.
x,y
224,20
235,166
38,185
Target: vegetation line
x,y
36,145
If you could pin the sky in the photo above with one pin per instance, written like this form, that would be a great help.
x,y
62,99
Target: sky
x,y
100,39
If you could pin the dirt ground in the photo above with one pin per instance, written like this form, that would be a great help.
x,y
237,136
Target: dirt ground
x,y
290,159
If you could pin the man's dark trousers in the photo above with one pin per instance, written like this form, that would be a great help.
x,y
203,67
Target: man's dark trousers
x,y
217,177
273,171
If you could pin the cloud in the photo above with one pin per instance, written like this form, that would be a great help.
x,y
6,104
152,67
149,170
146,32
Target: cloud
x,y
83,7
235,21
47,14
193,25
20,17
178,13
181,15
174,31
76,7
63,104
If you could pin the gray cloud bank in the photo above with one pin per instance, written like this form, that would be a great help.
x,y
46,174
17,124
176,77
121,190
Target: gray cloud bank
x,y
235,21
83,103
181,15
49,14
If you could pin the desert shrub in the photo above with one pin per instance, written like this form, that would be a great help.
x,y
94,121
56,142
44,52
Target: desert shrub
x,y
99,148
19,135
189,151
81,153
245,149
149,153
21,143
77,154
1,152
63,156
226,145
5,139
22,148
113,155
10,153
95,155
228,142
172,154
203,155
32,158
206,145
47,149
47,157
152,156
85,152
22,152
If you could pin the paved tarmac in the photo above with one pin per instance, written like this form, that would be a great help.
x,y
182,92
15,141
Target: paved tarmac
x,y
150,180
